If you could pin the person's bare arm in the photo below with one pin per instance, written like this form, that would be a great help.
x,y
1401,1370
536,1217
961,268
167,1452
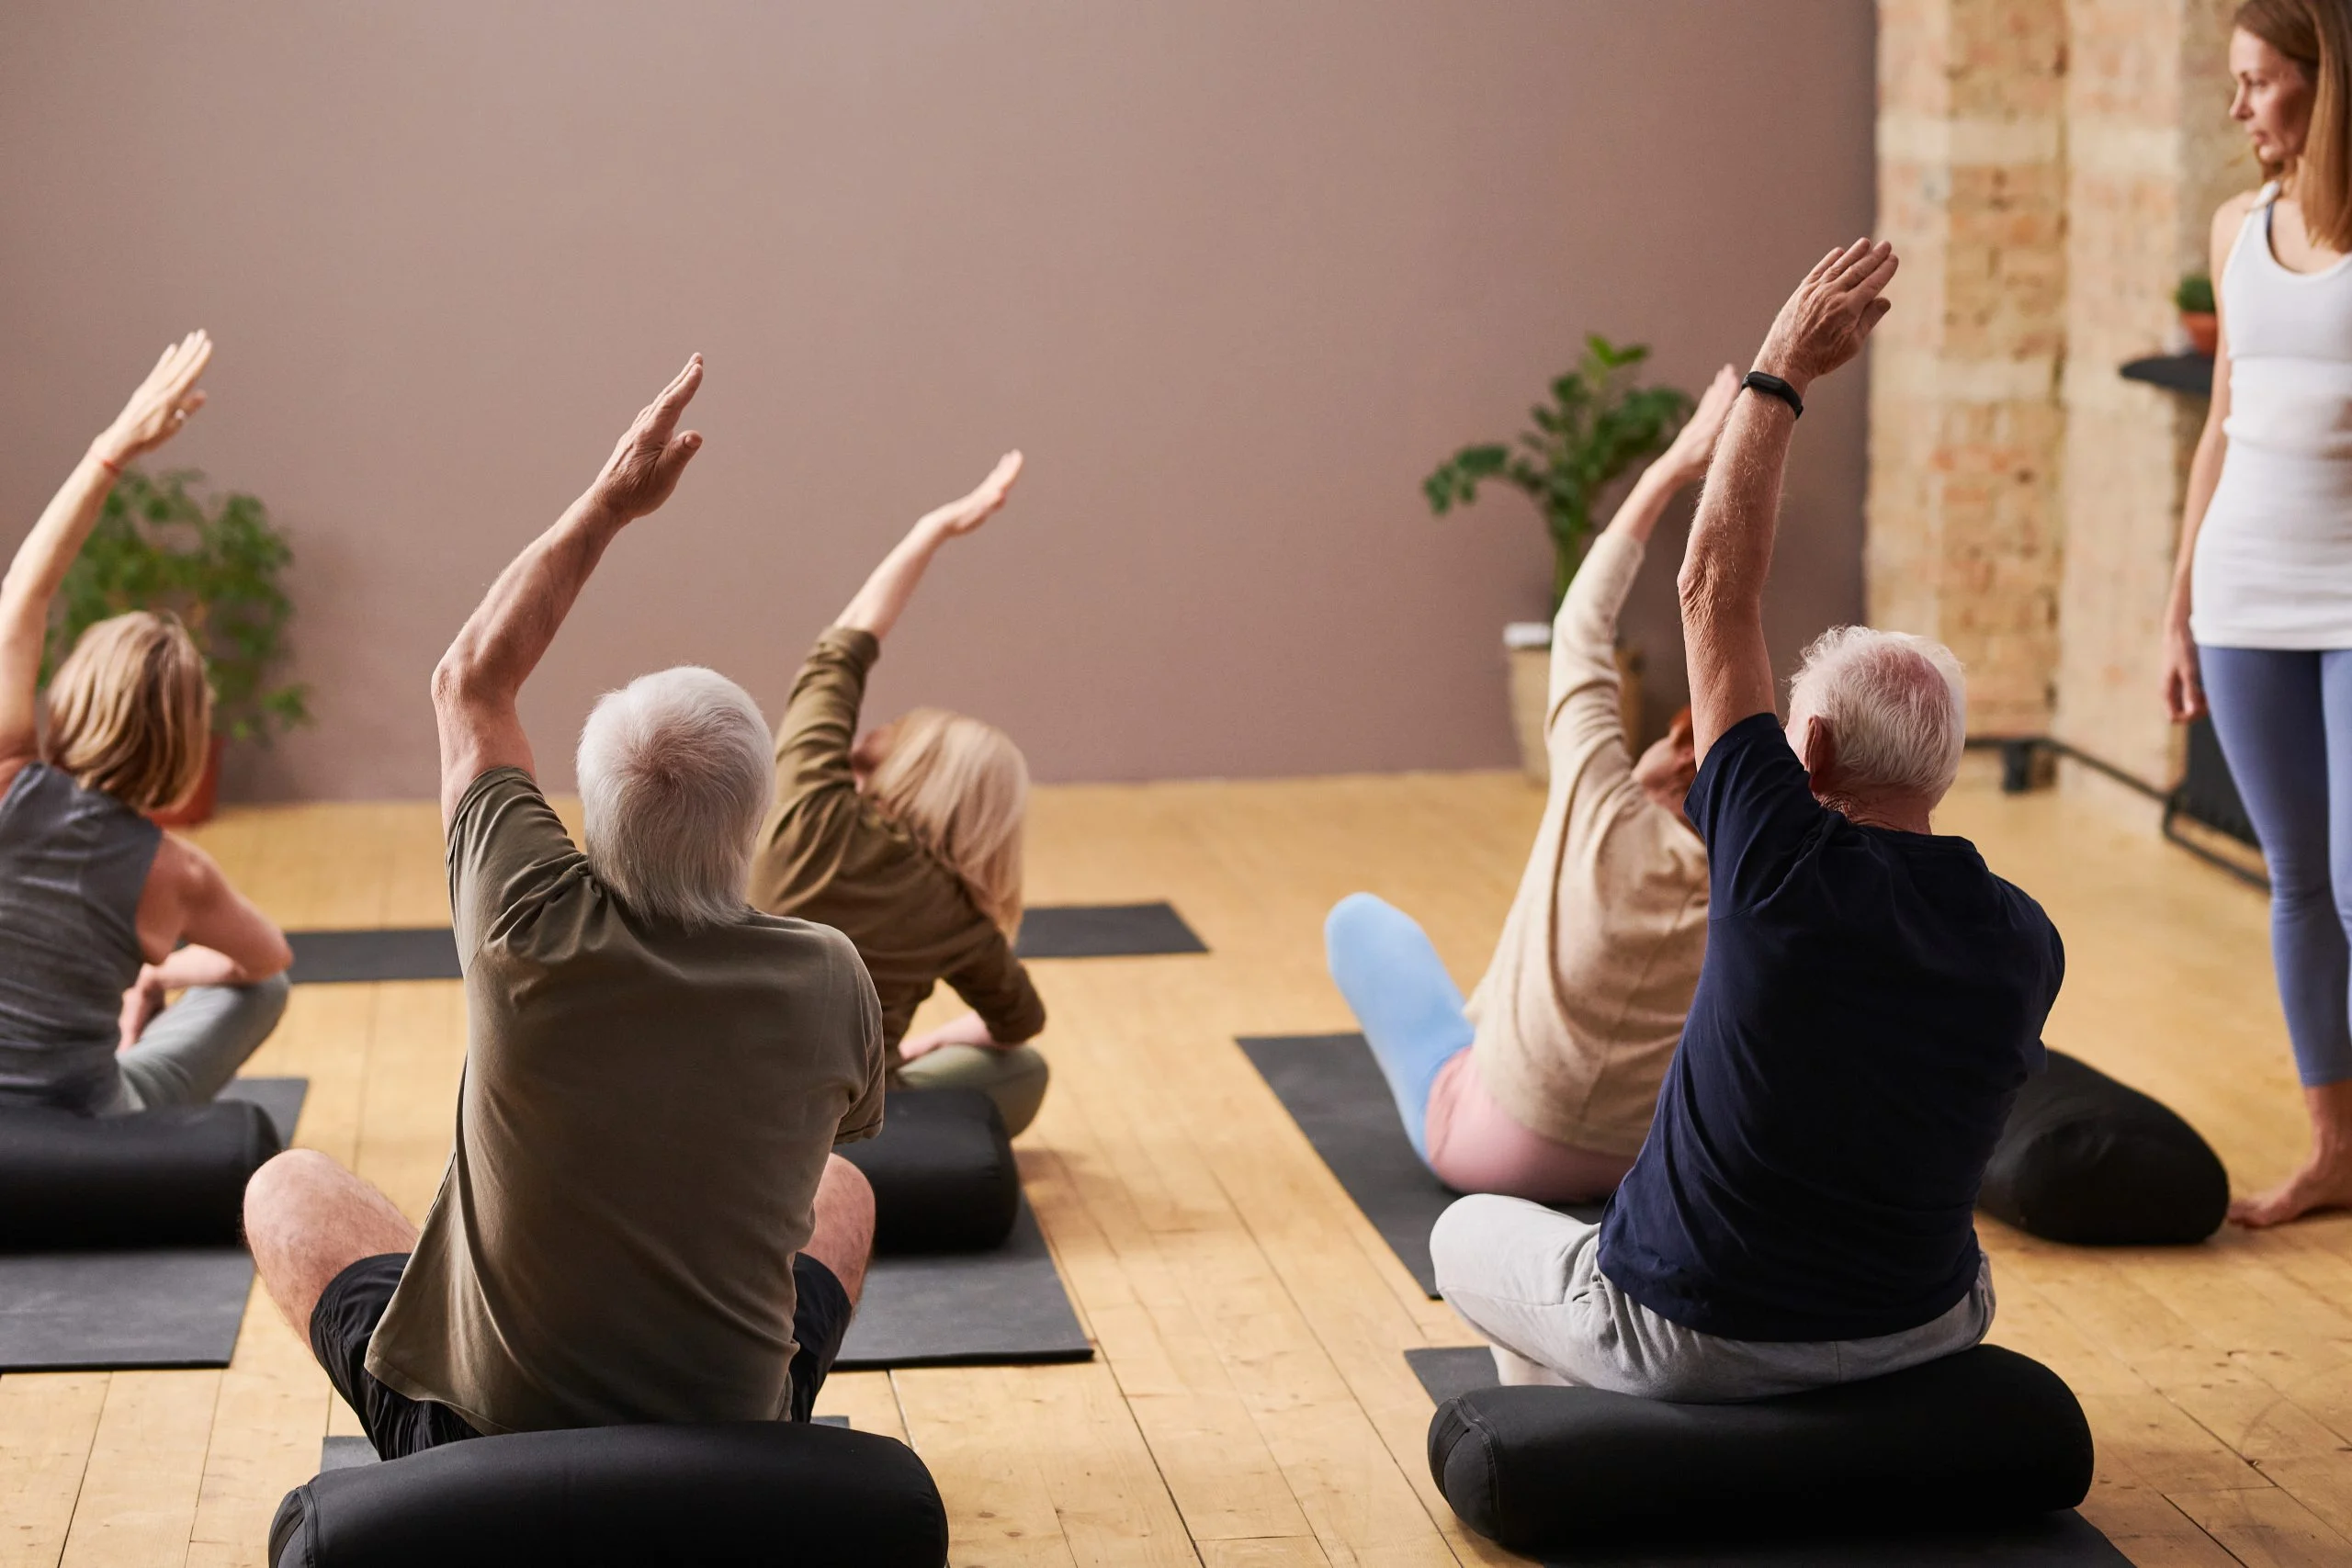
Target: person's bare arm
x,y
1582,710
883,598
477,682
229,941
1722,583
2184,692
1682,464
153,416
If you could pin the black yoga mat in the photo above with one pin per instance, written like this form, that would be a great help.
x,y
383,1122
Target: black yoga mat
x,y
1052,930
1333,1089
111,1311
966,1309
2054,1540
1105,930
418,953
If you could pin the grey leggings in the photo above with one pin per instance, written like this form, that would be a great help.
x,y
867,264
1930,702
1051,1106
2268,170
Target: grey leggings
x,y
197,1044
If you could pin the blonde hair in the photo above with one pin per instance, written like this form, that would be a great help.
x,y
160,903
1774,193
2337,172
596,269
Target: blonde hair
x,y
2317,36
130,711
675,778
961,788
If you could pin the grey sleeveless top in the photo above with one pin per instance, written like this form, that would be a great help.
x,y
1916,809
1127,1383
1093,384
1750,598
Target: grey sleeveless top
x,y
73,864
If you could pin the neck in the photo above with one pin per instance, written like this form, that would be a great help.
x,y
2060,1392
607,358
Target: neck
x,y
1902,816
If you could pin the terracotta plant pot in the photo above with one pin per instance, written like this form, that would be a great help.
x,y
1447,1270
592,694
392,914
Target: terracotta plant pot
x,y
1527,646
197,807
2204,330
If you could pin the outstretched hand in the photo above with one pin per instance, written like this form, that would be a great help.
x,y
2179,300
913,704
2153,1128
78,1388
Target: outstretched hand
x,y
959,517
160,405
1685,461
644,466
1824,321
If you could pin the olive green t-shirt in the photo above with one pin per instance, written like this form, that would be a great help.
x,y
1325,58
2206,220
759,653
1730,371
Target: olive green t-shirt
x,y
828,856
645,1115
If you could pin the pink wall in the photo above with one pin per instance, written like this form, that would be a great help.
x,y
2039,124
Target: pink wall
x,y
1234,272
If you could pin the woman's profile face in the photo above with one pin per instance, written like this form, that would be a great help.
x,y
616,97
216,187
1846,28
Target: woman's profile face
x,y
2272,100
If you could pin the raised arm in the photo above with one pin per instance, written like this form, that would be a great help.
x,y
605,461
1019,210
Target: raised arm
x,y
153,416
1822,326
880,603
477,682
1583,711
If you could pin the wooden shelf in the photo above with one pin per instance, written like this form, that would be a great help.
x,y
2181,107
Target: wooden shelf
x,y
2190,373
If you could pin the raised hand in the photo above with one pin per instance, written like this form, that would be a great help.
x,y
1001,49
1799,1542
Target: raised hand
x,y
1685,461
960,517
1824,321
646,463
160,405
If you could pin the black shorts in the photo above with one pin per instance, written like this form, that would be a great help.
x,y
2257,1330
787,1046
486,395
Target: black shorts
x,y
355,1299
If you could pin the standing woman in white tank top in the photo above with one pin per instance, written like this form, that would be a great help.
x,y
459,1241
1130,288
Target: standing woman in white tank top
x,y
2260,622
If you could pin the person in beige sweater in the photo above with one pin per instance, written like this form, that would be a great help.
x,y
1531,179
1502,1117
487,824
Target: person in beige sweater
x,y
1542,1085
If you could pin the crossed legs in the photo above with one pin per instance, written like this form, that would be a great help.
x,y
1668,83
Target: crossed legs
x,y
308,1219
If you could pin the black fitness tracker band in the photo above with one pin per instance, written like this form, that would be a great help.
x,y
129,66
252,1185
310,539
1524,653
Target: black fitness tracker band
x,y
1774,386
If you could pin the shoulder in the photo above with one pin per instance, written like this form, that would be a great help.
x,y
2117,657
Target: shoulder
x,y
2231,216
183,872
2233,213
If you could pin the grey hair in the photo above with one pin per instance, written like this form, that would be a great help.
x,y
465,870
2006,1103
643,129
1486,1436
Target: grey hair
x,y
1896,706
676,774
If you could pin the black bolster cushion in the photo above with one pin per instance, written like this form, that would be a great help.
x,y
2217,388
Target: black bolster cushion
x,y
2088,1160
169,1178
770,1492
1979,1435
942,1170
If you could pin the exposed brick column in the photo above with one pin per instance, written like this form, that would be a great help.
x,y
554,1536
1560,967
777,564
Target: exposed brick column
x,y
1966,426
2150,154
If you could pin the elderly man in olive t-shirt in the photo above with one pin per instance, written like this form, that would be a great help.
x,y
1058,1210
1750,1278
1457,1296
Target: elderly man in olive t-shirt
x,y
642,1219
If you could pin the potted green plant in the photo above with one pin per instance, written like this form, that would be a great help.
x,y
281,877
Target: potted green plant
x,y
1598,424
2194,299
216,562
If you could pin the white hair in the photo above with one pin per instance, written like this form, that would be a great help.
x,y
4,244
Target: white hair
x,y
1896,706
676,776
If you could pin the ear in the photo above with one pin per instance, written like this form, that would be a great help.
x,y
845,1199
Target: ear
x,y
1818,750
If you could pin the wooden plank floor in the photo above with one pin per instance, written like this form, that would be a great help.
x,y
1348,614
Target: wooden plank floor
x,y
1250,1405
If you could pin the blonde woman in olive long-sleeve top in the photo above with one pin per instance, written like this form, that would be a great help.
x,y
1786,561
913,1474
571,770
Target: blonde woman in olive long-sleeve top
x,y
907,840
1542,1085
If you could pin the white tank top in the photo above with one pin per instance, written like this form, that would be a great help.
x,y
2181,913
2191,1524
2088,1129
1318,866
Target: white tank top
x,y
2273,567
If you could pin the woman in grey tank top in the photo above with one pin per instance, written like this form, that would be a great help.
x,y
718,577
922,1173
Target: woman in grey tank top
x,y
97,901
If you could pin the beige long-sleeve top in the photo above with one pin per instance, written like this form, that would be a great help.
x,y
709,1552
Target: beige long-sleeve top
x,y
1580,1010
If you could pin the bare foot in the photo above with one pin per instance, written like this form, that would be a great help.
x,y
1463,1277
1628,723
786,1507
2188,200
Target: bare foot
x,y
2325,1183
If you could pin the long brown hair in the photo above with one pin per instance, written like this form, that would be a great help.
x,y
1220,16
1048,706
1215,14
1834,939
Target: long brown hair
x,y
2317,36
130,711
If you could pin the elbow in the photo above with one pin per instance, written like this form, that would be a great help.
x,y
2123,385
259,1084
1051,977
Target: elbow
x,y
457,679
276,956
1695,589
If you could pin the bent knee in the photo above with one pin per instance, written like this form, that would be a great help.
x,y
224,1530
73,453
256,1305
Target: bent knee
x,y
286,1184
844,1184
1354,915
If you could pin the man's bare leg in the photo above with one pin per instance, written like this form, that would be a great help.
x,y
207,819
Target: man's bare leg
x,y
306,1220
844,1239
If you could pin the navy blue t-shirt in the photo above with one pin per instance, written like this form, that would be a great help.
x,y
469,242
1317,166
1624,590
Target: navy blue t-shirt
x,y
1869,1004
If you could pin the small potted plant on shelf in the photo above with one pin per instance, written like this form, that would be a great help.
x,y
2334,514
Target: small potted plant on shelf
x,y
215,563
2194,299
1597,425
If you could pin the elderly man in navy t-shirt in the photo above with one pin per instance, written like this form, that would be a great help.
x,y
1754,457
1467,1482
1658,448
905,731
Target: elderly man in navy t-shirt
x,y
1872,997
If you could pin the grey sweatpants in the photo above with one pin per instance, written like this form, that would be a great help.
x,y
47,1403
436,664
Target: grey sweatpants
x,y
1530,1280
192,1047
